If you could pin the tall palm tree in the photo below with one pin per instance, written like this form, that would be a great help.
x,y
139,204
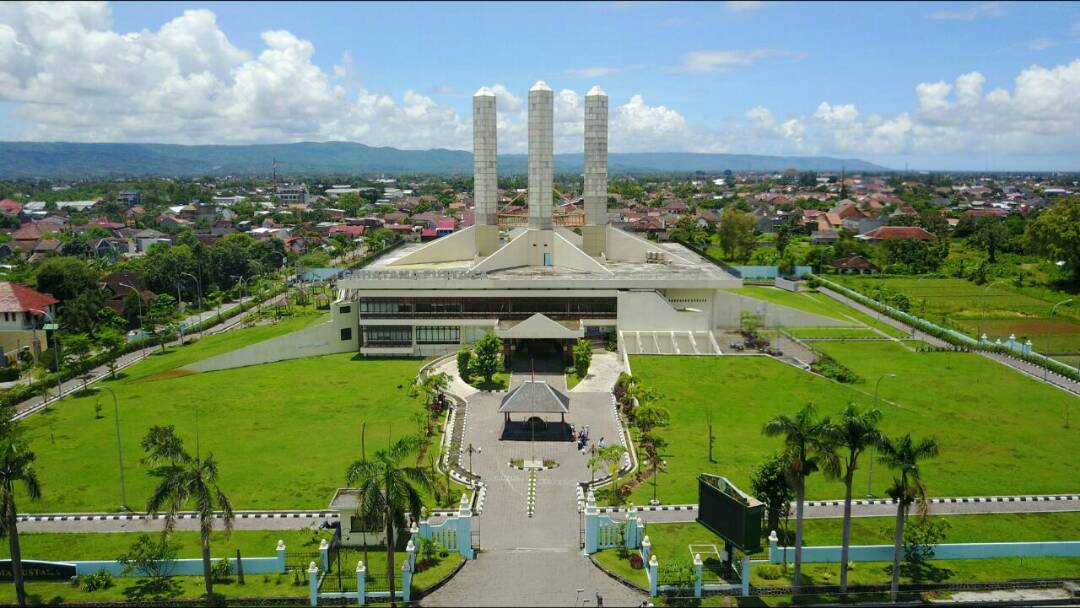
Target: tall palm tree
x,y
854,432
904,455
387,490
185,480
804,441
16,467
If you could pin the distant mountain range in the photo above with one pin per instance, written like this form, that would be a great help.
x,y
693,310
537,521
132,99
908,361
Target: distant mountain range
x,y
77,160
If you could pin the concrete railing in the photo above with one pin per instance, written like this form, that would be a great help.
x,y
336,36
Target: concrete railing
x,y
884,553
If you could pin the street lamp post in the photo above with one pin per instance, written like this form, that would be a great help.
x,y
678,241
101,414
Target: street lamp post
x,y
870,469
285,271
56,353
198,291
142,319
119,447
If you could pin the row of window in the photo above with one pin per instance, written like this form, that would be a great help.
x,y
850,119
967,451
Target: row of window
x,y
487,306
403,334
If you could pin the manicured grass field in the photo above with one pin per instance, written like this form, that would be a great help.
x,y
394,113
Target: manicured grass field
x,y
283,433
819,304
1000,432
833,332
672,541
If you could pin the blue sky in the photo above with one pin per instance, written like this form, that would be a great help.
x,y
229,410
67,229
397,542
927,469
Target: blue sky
x,y
934,85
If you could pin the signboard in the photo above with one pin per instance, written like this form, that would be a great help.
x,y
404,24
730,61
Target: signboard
x,y
50,327
729,512
38,571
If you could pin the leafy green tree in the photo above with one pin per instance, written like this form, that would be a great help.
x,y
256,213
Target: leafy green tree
x,y
904,456
162,313
184,481
736,233
803,447
150,557
113,342
770,486
65,277
387,491
582,358
487,356
853,432
427,391
609,457
16,468
992,235
81,313
76,350
1055,233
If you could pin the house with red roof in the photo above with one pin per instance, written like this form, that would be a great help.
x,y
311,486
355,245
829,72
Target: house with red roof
x,y
11,207
21,313
892,233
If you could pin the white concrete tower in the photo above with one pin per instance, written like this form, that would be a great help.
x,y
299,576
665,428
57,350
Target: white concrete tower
x,y
594,232
485,184
541,154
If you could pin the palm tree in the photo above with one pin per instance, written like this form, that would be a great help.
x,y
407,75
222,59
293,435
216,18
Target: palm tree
x,y
803,443
903,455
185,480
386,491
609,457
855,431
16,467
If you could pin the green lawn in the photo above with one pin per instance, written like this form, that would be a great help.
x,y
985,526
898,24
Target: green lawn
x,y
833,332
672,541
103,545
572,379
210,346
797,300
819,304
1000,432
263,543
283,433
499,382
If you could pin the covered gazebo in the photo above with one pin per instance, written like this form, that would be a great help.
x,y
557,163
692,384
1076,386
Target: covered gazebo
x,y
533,398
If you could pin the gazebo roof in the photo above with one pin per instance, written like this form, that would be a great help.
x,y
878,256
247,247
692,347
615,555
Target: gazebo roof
x,y
534,397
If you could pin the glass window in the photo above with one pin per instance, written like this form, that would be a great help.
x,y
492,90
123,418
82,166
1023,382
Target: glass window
x,y
438,335
346,334
344,310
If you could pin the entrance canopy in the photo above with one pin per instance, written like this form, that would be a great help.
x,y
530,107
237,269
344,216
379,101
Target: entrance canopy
x,y
539,326
534,397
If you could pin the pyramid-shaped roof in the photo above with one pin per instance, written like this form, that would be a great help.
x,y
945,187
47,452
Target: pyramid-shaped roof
x,y
535,397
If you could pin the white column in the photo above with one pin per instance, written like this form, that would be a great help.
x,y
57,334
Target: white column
x,y
485,184
541,154
596,156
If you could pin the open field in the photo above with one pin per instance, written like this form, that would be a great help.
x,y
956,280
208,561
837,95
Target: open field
x,y
672,541
1000,431
283,433
997,309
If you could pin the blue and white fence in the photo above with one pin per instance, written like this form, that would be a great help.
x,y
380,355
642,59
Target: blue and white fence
x,y
453,534
187,567
602,532
884,553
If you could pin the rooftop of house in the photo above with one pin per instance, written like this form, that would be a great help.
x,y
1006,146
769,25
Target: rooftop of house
x,y
19,298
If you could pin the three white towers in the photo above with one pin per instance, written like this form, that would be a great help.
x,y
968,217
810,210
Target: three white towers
x,y
541,164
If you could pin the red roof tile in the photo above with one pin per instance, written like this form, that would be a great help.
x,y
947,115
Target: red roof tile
x,y
899,232
18,298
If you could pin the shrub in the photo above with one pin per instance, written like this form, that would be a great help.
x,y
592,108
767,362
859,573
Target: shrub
x,y
831,368
582,358
9,374
464,358
102,579
770,572
636,562
220,570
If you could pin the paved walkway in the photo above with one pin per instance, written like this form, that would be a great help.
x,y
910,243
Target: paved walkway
x,y
1034,371
603,372
536,560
